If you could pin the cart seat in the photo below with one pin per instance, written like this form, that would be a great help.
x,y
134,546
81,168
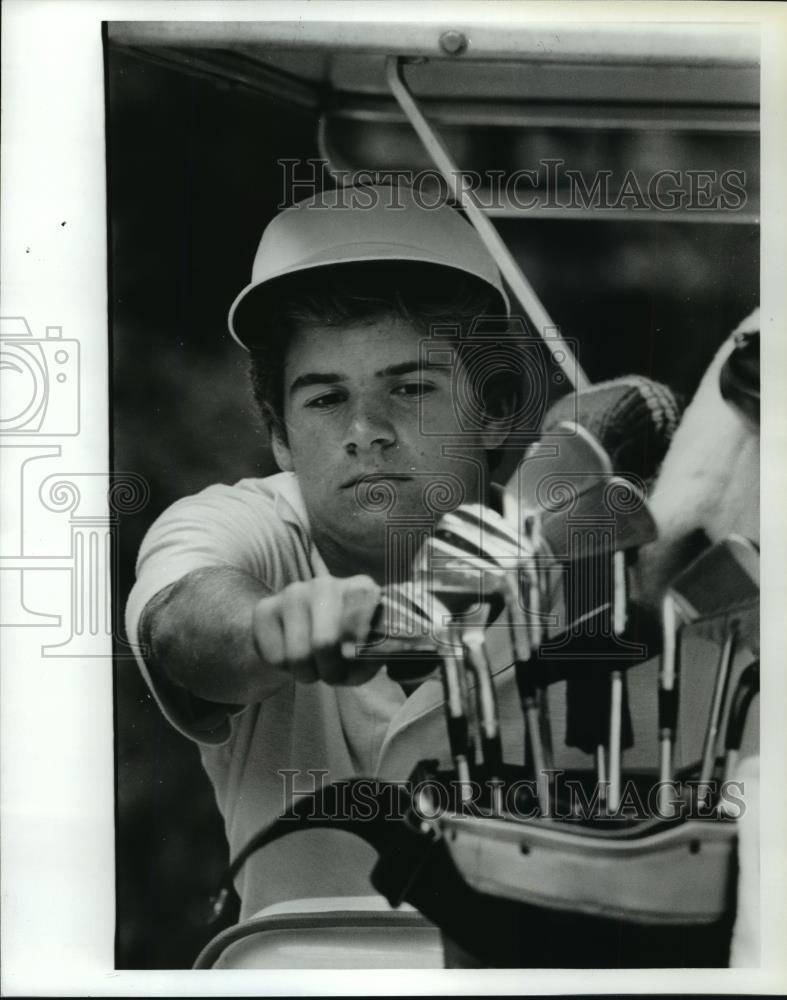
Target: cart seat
x,y
338,932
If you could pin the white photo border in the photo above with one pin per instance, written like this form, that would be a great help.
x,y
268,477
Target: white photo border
x,y
58,919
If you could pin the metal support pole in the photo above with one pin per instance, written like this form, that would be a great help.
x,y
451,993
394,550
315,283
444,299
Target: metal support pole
x,y
525,293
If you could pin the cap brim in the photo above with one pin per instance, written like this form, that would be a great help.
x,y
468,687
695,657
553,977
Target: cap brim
x,y
246,320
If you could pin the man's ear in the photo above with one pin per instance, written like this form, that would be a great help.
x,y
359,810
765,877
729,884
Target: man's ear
x,y
281,450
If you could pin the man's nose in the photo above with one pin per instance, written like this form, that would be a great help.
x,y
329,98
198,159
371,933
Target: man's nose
x,y
369,428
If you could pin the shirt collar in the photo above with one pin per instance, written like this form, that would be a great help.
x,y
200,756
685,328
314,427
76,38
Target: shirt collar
x,y
289,503
291,508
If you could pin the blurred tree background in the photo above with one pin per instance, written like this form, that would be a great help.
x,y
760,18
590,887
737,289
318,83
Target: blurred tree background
x,y
193,179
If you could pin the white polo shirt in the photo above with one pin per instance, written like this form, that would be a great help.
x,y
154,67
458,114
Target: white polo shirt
x,y
374,730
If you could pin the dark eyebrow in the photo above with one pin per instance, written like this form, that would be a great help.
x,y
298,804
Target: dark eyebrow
x,y
330,378
406,367
401,369
316,378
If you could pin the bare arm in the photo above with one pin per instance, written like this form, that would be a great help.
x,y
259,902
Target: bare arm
x,y
221,635
198,632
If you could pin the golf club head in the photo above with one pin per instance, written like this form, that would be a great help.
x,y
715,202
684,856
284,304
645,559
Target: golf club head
x,y
725,578
459,580
612,516
746,619
408,632
482,532
578,462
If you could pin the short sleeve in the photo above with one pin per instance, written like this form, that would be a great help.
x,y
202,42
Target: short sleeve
x,y
223,526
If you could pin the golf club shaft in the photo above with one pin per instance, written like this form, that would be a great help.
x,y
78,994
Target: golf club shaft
x,y
619,598
668,707
601,769
747,687
523,665
457,723
615,726
541,679
541,745
491,744
717,705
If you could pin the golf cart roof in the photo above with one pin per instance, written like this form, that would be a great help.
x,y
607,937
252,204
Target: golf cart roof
x,y
686,93
698,73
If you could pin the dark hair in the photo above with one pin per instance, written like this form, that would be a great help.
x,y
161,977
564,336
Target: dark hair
x,y
426,296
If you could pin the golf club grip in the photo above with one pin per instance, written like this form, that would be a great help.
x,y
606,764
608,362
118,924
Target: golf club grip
x,y
458,733
402,635
410,670
492,751
668,710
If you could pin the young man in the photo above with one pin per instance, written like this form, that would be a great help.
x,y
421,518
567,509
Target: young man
x,y
245,593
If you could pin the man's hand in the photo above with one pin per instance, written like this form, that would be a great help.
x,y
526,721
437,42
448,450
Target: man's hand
x,y
223,637
299,630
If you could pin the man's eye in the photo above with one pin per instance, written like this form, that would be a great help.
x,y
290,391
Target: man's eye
x,y
416,388
325,400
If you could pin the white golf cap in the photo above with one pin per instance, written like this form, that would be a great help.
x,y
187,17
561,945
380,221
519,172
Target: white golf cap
x,y
355,225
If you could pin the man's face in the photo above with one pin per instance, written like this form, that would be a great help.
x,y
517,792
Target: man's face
x,y
355,399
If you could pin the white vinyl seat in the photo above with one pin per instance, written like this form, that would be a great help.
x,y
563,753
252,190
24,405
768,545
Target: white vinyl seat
x,y
339,932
